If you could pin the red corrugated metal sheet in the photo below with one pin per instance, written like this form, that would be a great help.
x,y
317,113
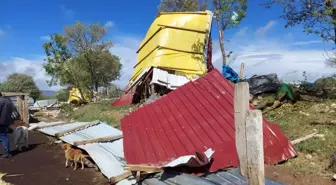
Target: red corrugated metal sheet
x,y
125,99
196,116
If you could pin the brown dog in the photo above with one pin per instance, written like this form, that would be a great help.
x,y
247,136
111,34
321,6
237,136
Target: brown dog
x,y
73,155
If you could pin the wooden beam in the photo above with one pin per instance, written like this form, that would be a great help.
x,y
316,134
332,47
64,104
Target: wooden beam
x,y
255,148
52,125
59,134
242,70
241,106
142,168
299,140
25,110
125,175
96,140
14,94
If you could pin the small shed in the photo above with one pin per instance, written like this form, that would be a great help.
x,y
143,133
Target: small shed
x,y
20,100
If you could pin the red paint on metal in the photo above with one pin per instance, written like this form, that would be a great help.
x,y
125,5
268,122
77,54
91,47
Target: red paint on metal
x,y
196,116
126,98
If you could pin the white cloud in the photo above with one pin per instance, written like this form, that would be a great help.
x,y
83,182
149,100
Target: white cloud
x,y
301,43
267,56
242,32
31,67
67,13
45,38
262,31
108,24
2,33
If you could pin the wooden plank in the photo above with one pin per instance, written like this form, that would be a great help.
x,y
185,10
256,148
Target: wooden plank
x,y
241,106
142,168
25,110
53,125
95,140
242,70
299,140
59,134
14,94
255,148
125,175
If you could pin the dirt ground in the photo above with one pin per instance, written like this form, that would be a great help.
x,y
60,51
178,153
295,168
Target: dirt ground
x,y
287,176
43,164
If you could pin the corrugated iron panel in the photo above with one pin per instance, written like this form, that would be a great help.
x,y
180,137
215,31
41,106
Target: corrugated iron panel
x,y
54,130
109,156
193,118
44,103
231,177
126,98
96,131
171,81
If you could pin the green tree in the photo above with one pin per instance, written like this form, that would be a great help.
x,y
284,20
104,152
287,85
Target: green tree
x,y
62,95
317,16
229,14
81,57
21,83
182,5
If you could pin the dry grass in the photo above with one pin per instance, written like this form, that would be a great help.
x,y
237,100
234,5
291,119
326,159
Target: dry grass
x,y
296,121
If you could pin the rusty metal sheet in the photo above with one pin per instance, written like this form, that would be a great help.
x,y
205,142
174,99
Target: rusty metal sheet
x,y
197,116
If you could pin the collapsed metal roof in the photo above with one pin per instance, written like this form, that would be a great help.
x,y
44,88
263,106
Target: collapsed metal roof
x,y
197,116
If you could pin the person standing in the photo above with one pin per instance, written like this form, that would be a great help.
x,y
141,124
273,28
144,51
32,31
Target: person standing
x,y
6,110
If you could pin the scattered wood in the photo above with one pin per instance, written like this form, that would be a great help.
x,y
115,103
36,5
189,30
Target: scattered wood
x,y
327,122
96,140
137,177
142,168
59,134
13,175
125,175
241,106
299,140
52,125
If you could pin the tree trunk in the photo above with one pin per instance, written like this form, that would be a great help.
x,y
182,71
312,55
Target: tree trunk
x,y
221,37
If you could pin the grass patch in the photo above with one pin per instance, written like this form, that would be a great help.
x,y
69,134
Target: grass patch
x,y
295,121
97,111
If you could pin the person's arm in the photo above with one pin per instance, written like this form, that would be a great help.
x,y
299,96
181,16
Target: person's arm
x,y
2,113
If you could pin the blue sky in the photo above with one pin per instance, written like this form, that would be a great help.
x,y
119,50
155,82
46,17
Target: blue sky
x,y
261,41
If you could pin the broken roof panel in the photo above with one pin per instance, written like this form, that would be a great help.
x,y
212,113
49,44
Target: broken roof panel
x,y
52,131
196,116
230,177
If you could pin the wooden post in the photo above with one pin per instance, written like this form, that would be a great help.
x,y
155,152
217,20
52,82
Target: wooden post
x,y
241,106
249,136
241,75
25,110
255,148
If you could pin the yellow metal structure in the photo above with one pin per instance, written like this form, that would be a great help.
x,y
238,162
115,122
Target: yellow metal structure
x,y
175,41
76,98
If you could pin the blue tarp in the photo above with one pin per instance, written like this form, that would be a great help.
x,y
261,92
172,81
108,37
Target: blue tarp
x,y
230,74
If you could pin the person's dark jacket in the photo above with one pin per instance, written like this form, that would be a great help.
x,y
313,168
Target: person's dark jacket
x,y
6,110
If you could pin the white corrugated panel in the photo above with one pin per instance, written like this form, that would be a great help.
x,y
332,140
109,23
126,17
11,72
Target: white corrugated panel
x,y
54,130
97,131
171,81
108,156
